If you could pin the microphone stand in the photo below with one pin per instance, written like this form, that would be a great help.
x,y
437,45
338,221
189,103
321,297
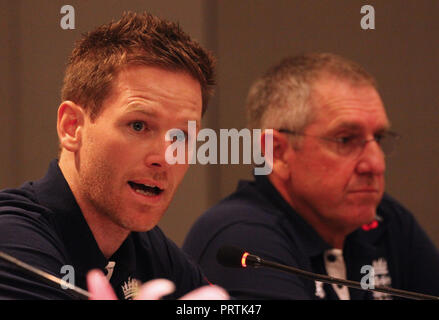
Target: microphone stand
x,y
46,277
255,261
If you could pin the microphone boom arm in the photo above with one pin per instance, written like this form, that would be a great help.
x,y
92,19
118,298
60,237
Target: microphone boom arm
x,y
256,261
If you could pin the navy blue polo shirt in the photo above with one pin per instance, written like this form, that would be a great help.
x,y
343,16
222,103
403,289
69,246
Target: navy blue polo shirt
x,y
42,225
256,218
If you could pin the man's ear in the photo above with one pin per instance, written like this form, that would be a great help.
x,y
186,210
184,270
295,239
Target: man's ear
x,y
70,122
281,153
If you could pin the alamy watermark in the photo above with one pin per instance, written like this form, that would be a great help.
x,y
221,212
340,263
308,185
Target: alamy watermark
x,y
68,279
376,275
368,20
68,20
367,281
209,153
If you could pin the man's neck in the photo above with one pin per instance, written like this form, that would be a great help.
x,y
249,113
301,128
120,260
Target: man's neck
x,y
332,235
108,235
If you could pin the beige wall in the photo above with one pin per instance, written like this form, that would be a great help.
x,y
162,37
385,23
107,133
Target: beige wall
x,y
248,36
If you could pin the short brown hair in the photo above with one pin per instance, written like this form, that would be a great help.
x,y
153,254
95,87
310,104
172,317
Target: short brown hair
x,y
135,39
282,97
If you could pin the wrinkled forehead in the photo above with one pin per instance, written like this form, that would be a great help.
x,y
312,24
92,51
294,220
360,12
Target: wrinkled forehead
x,y
160,83
338,102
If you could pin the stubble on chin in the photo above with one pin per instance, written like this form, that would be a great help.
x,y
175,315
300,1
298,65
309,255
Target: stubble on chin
x,y
97,188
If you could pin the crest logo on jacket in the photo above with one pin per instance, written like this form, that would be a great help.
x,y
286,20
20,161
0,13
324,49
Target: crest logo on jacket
x,y
130,288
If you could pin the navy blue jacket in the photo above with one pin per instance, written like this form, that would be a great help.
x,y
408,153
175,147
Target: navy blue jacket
x,y
258,219
42,225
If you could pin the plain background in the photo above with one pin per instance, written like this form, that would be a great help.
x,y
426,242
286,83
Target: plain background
x,y
247,36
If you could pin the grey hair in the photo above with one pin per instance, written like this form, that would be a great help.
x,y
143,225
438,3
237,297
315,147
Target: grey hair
x,y
282,97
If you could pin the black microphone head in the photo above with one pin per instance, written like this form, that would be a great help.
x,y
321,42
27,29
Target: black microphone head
x,y
230,256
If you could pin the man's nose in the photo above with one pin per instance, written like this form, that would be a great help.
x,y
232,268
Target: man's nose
x,y
156,154
372,159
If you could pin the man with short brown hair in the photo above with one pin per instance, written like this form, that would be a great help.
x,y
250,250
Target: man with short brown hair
x,y
126,85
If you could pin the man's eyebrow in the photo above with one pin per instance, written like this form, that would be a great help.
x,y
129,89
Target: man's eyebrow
x,y
140,109
347,125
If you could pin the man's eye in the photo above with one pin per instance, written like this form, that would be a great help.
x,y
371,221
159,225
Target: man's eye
x,y
380,137
138,126
346,140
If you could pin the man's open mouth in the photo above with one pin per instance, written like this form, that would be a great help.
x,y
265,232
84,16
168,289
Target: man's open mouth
x,y
144,189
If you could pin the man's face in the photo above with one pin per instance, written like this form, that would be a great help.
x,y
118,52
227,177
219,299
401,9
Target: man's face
x,y
123,174
340,191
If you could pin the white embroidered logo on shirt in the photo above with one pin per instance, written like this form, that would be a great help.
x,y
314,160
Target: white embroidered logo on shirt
x,y
130,288
319,290
381,278
110,268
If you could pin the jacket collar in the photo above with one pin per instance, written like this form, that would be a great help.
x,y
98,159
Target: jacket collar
x,y
53,192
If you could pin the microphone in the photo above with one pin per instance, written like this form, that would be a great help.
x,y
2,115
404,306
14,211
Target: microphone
x,y
234,257
46,277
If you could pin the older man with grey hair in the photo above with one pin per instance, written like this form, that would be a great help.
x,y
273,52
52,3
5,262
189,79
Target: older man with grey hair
x,y
323,207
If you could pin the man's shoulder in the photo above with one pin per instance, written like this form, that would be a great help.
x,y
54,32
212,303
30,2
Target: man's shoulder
x,y
23,193
393,211
246,213
28,233
392,219
23,218
24,221
244,205
21,203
